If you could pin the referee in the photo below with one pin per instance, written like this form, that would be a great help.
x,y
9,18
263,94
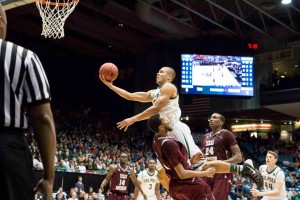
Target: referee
x,y
23,88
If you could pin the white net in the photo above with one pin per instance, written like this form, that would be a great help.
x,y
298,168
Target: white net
x,y
54,14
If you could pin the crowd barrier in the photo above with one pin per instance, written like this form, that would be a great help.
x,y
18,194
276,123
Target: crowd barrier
x,y
68,179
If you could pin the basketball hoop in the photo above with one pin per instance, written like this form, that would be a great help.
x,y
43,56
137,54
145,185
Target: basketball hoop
x,y
54,14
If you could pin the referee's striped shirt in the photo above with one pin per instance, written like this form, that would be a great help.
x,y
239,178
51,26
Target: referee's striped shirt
x,y
22,81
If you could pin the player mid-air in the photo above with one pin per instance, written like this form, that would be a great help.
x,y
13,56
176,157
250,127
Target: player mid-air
x,y
165,101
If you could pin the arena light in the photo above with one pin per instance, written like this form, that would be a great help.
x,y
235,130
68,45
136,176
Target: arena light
x,y
250,127
286,1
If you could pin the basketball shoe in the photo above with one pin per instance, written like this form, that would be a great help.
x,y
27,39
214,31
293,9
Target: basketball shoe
x,y
252,173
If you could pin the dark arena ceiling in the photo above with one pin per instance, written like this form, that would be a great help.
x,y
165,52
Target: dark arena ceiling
x,y
113,27
102,28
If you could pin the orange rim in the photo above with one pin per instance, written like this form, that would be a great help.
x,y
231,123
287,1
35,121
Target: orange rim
x,y
43,2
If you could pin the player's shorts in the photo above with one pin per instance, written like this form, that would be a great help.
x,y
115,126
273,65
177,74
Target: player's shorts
x,y
183,133
191,189
112,196
220,185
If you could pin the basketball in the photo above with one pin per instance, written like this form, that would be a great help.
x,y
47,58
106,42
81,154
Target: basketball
x,y
109,71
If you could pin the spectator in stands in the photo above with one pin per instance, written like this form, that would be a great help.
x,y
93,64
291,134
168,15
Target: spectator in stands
x,y
91,190
59,196
275,78
69,195
61,166
90,165
55,156
37,164
73,196
85,196
100,197
163,193
290,180
68,165
67,155
59,155
81,167
77,191
297,197
239,185
291,194
246,187
79,184
95,166
62,195
131,196
74,153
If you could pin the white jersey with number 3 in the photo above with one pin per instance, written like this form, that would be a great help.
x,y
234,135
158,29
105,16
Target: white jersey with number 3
x,y
148,183
270,179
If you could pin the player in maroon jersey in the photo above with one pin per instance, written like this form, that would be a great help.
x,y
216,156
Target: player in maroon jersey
x,y
183,183
220,144
118,176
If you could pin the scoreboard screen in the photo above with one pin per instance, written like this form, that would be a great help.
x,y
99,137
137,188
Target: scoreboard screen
x,y
217,75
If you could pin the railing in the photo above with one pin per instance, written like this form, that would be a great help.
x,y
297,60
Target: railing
x,y
68,179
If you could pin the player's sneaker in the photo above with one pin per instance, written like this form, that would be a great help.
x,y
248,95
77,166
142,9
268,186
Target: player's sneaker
x,y
252,173
198,166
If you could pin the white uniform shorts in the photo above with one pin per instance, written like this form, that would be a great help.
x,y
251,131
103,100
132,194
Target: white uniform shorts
x,y
183,133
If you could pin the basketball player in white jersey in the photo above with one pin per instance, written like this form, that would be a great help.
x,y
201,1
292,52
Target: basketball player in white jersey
x,y
149,183
165,101
274,180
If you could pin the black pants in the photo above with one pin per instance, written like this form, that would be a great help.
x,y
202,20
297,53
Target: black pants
x,y
16,174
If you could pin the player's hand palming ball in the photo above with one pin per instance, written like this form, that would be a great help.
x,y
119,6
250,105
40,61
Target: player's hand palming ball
x,y
109,71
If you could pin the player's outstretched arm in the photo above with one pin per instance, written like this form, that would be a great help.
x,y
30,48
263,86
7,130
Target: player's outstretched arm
x,y
136,183
186,174
136,191
163,178
135,96
157,191
162,100
109,174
